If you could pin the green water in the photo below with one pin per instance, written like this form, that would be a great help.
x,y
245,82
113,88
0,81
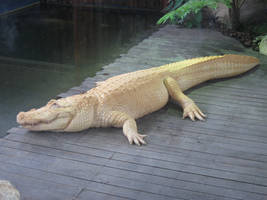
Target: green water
x,y
44,52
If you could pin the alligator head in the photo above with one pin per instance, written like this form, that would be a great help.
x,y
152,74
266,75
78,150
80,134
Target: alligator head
x,y
73,113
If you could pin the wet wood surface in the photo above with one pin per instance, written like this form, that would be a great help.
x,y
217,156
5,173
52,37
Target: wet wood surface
x,y
224,157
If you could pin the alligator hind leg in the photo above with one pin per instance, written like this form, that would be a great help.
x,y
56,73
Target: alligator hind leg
x,y
190,108
120,119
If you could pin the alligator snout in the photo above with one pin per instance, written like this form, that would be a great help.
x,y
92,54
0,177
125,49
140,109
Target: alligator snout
x,y
21,117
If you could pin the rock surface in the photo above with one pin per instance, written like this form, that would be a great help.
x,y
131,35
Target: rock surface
x,y
263,46
8,191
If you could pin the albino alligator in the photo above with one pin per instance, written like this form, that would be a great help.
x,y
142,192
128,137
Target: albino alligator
x,y
119,100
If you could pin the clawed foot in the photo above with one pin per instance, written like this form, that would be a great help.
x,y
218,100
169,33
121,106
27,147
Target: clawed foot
x,y
136,138
193,112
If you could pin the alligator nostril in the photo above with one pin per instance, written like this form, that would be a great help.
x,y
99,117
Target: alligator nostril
x,y
20,116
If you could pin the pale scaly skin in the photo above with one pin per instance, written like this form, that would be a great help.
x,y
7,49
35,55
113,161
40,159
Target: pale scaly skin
x,y
120,100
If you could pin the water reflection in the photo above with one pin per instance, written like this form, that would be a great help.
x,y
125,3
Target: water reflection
x,y
8,34
69,37
50,50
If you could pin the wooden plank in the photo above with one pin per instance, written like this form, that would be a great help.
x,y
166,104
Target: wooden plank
x,y
166,191
83,170
110,136
182,136
92,195
121,182
31,188
79,148
99,189
187,154
213,123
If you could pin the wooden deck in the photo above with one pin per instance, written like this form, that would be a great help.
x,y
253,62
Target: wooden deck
x,y
222,158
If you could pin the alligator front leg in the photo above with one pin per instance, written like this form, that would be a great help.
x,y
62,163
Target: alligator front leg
x,y
190,108
120,119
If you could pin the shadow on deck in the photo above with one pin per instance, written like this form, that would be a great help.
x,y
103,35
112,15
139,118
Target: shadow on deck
x,y
222,158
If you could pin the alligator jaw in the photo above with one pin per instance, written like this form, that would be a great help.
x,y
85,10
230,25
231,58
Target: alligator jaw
x,y
56,124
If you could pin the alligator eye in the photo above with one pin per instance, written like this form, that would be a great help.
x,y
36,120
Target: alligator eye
x,y
55,105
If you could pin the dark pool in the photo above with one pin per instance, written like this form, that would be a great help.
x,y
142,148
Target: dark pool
x,y
45,51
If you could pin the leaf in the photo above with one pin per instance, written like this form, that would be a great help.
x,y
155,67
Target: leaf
x,y
177,4
169,7
181,8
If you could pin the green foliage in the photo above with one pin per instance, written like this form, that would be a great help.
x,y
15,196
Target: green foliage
x,y
260,28
179,9
195,21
